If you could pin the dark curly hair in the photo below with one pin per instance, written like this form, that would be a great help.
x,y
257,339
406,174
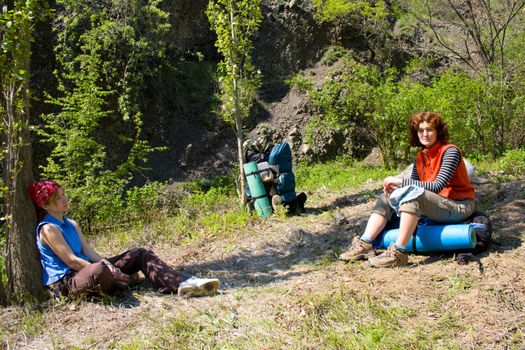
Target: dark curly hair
x,y
435,120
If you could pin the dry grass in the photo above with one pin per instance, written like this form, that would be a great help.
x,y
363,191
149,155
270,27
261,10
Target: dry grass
x,y
283,288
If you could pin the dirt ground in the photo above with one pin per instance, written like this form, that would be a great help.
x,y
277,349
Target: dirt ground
x,y
297,256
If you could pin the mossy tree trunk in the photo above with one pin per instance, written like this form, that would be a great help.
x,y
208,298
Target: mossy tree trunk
x,y
21,257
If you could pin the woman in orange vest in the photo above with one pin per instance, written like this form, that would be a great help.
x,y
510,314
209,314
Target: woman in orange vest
x,y
438,188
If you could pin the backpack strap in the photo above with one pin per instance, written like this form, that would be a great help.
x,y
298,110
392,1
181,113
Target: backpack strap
x,y
259,197
253,173
414,243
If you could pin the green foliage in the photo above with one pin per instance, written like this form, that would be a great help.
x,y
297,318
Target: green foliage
x,y
15,46
300,82
15,52
483,118
343,173
235,23
513,162
328,10
106,52
360,96
333,54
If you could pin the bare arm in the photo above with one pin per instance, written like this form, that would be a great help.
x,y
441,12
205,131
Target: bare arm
x,y
51,235
87,250
93,256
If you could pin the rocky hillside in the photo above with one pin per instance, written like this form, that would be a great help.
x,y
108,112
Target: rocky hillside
x,y
290,39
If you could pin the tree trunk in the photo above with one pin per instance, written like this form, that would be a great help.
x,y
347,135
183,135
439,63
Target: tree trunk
x,y
240,140
238,117
3,294
22,261
23,268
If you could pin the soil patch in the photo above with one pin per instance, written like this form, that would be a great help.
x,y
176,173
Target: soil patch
x,y
267,268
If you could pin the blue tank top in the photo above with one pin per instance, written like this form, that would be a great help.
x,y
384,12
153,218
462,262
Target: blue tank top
x,y
53,268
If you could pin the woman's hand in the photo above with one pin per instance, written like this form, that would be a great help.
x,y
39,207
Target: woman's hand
x,y
115,271
390,183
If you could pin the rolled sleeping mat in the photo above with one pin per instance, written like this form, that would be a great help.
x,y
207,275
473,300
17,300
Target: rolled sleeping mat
x,y
257,190
434,238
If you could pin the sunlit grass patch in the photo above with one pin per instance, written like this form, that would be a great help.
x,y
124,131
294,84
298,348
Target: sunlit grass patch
x,y
339,174
184,214
209,208
27,323
510,166
439,333
343,320
460,283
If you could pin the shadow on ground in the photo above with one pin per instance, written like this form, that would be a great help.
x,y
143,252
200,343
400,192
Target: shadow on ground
x,y
301,251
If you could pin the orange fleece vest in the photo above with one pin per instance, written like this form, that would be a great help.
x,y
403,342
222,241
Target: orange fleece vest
x,y
428,163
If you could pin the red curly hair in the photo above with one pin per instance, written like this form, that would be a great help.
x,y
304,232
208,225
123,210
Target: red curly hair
x,y
435,120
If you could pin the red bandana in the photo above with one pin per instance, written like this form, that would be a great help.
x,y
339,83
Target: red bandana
x,y
40,192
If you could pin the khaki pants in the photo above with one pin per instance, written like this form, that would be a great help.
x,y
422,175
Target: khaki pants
x,y
432,206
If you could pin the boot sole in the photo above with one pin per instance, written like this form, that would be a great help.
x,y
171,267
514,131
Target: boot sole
x,y
396,264
359,257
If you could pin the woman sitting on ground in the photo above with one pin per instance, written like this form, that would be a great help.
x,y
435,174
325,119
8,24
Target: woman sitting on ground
x,y
438,188
72,267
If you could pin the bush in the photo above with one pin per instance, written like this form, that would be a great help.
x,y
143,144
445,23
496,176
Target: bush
x,y
513,162
482,117
301,83
333,54
339,174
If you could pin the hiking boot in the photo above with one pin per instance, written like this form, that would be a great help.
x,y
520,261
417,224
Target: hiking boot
x,y
276,201
301,199
198,287
391,258
360,250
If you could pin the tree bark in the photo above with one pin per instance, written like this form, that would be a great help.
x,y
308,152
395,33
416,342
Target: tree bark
x,y
238,120
22,259
23,269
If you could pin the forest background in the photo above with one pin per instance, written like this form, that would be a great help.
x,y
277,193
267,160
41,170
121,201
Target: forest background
x,y
120,101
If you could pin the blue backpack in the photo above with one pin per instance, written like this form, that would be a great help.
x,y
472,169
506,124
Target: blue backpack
x,y
281,159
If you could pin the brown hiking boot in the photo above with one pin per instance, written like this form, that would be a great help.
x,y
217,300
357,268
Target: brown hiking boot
x,y
391,258
360,250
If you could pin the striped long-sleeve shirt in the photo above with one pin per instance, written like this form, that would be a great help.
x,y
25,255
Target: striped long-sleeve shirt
x,y
449,163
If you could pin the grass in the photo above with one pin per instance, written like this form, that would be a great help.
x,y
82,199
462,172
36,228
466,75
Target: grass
x,y
461,283
336,320
337,175
210,209
29,323
329,319
507,168
184,214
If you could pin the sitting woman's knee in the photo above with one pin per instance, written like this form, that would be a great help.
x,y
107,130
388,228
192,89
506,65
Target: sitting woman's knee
x,y
101,272
141,251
